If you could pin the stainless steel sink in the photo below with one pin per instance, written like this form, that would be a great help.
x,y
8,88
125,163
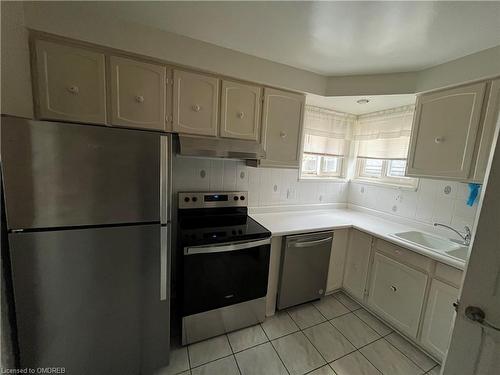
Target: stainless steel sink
x,y
434,243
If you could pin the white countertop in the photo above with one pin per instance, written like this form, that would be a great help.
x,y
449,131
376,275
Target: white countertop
x,y
293,222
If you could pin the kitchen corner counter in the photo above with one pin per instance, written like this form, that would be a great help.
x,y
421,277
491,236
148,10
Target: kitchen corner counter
x,y
294,222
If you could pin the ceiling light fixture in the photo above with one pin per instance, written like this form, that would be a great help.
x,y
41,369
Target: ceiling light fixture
x,y
363,101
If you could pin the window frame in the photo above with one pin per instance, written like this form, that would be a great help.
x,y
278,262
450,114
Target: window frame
x,y
384,179
319,175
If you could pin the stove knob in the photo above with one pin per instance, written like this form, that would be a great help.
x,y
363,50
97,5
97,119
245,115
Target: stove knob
x,y
242,198
235,198
186,199
240,231
194,199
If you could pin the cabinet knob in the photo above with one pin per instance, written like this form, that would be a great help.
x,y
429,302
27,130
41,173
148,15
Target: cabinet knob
x,y
282,134
241,115
139,99
73,89
439,139
393,288
196,108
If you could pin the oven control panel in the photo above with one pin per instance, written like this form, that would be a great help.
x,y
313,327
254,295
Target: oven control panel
x,y
210,200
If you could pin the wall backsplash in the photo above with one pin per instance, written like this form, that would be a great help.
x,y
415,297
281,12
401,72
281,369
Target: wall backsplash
x,y
265,186
279,187
433,201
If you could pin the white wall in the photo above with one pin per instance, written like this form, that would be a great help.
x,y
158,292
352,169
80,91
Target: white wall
x,y
427,205
265,186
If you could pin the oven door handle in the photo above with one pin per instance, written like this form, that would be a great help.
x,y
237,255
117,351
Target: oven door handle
x,y
229,247
311,243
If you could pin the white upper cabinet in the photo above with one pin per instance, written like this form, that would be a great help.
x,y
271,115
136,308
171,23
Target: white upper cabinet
x,y
438,319
444,133
282,120
483,146
240,111
357,263
71,83
397,293
196,103
138,93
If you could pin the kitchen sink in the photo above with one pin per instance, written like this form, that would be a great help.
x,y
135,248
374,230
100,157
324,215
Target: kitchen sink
x,y
460,253
435,243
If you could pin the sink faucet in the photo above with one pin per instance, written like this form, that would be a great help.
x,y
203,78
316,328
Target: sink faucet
x,y
466,238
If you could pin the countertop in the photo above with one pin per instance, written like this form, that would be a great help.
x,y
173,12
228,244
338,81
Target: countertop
x,y
294,222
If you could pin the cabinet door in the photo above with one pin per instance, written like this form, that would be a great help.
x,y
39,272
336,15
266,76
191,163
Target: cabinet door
x,y
357,263
138,94
489,124
444,132
438,319
196,102
397,293
240,111
71,83
282,126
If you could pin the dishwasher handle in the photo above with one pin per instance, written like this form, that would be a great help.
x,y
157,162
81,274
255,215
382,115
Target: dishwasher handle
x,y
311,243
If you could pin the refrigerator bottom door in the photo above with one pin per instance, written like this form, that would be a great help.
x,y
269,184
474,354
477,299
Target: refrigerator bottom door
x,y
88,299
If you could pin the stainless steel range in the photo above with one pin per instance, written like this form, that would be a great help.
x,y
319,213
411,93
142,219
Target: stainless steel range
x,y
225,264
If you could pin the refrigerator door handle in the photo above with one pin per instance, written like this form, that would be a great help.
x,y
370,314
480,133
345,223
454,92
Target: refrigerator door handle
x,y
163,179
163,262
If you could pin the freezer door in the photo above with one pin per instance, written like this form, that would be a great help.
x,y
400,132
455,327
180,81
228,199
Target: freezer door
x,y
89,300
59,174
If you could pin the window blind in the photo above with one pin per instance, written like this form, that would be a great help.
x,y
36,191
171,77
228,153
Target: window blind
x,y
326,132
384,134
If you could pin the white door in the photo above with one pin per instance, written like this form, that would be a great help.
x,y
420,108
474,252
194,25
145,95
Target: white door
x,y
357,263
71,83
444,132
240,111
282,120
475,347
438,319
138,96
196,103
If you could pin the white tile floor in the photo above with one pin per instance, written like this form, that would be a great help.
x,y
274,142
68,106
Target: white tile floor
x,y
334,336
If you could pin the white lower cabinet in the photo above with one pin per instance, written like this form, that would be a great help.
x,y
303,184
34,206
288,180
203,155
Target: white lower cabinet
x,y
438,319
357,263
397,293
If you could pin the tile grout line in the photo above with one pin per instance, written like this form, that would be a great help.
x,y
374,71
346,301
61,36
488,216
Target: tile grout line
x,y
412,361
232,351
272,346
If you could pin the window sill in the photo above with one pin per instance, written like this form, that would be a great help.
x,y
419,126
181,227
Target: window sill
x,y
368,181
323,179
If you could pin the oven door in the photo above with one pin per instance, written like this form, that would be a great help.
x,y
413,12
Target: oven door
x,y
220,275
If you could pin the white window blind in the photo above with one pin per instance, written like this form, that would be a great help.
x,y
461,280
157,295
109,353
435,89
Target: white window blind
x,y
384,134
326,132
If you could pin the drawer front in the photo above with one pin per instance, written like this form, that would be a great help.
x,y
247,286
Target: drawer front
x,y
449,274
403,255
397,293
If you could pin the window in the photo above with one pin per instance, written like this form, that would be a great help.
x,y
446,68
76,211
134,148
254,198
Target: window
x,y
321,166
383,139
382,171
325,142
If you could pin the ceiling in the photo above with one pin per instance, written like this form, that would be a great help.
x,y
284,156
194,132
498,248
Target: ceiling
x,y
330,38
349,103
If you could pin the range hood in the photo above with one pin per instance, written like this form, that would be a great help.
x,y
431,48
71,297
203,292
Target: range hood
x,y
220,148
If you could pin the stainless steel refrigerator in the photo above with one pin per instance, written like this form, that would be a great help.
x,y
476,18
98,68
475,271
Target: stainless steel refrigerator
x,y
88,215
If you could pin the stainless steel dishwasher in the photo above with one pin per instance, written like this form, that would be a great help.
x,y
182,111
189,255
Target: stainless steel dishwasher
x,y
304,268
